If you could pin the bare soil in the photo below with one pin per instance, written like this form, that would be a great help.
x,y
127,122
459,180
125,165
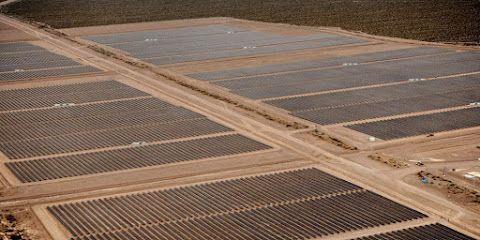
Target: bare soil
x,y
442,20
20,224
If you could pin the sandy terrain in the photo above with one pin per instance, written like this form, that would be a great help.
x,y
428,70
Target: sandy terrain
x,y
10,34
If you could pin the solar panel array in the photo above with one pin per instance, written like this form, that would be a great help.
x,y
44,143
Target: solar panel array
x,y
297,204
99,115
40,123
271,48
422,124
215,43
37,65
162,34
396,66
81,111
211,42
426,232
47,73
405,70
60,89
391,107
318,80
110,138
18,58
18,47
344,98
80,93
286,81
316,63
134,157
91,124
22,60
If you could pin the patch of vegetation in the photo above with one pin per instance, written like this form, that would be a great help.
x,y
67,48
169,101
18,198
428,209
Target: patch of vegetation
x,y
429,20
9,227
388,160
333,140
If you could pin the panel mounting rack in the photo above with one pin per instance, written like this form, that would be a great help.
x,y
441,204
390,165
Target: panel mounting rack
x,y
138,143
64,104
416,79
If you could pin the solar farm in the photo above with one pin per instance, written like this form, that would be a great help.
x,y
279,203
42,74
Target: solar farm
x,y
105,126
187,44
361,87
326,91
100,148
264,198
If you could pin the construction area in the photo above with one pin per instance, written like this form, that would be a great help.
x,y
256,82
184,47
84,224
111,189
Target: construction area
x,y
221,128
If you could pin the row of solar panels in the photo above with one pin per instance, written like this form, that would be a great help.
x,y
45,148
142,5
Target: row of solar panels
x,y
296,204
95,115
22,60
211,42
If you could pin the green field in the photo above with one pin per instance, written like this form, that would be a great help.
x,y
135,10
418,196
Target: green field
x,y
430,20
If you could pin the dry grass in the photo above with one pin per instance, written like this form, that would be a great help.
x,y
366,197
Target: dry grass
x,y
430,20
392,162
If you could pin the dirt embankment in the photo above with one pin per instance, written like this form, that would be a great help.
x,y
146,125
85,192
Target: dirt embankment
x,y
457,193
333,140
19,224
390,161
